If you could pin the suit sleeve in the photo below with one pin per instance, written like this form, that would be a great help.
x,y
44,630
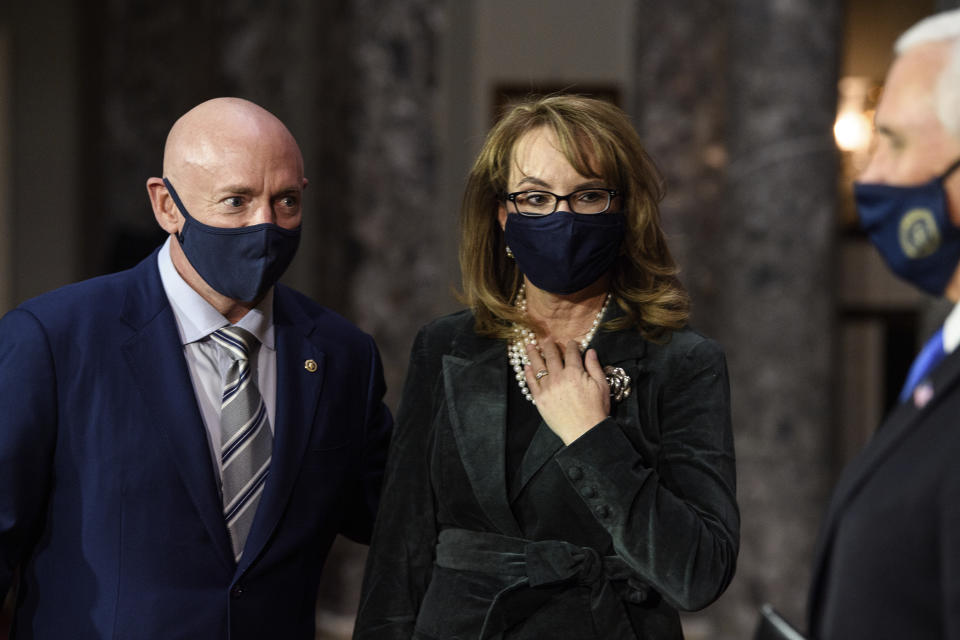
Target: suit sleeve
x,y
377,427
675,519
28,419
401,554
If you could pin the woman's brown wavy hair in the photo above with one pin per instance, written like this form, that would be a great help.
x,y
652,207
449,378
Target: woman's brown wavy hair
x,y
598,140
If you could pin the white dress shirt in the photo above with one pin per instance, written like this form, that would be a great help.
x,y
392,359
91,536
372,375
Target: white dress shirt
x,y
196,319
951,330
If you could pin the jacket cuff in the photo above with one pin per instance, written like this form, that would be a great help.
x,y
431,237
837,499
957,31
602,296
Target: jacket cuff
x,y
601,466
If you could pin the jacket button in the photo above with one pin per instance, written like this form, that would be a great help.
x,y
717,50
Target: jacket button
x,y
637,596
603,511
588,492
575,473
236,591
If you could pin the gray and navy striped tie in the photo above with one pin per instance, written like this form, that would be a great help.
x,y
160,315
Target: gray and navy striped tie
x,y
246,441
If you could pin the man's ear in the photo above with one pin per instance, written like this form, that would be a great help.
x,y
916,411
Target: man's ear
x,y
164,209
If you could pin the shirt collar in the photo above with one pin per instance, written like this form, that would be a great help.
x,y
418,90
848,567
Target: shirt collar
x,y
196,318
951,330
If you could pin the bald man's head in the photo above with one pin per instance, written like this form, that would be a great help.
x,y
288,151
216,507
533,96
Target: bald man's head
x,y
220,126
233,164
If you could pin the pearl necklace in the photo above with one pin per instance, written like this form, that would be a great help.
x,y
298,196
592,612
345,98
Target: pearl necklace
x,y
516,349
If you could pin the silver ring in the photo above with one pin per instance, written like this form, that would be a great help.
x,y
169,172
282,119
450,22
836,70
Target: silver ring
x,y
542,373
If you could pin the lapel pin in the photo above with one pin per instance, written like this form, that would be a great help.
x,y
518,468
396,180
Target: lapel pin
x,y
922,394
310,365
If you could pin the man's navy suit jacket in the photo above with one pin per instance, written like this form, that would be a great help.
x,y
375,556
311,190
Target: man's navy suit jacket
x,y
109,501
887,563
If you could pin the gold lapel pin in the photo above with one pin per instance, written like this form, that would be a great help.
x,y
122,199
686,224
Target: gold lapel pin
x,y
310,365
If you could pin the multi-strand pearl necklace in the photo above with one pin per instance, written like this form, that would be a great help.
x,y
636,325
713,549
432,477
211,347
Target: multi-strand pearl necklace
x,y
517,351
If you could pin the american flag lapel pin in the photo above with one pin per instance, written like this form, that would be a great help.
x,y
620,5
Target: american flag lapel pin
x,y
923,394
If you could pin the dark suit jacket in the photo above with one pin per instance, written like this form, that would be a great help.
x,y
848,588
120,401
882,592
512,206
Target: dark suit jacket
x,y
888,559
653,485
109,501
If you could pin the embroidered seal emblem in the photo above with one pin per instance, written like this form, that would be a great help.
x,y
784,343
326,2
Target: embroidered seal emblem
x,y
919,235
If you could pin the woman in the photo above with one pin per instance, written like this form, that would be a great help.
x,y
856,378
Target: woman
x,y
562,465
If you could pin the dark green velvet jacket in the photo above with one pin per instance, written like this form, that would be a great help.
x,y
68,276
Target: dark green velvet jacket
x,y
650,490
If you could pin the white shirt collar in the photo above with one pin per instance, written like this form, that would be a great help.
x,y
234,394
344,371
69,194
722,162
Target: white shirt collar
x,y
951,330
196,318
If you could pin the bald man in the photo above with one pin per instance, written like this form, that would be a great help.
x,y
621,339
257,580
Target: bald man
x,y
181,442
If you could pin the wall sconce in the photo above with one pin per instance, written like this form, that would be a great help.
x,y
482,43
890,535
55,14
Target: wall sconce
x,y
853,133
853,129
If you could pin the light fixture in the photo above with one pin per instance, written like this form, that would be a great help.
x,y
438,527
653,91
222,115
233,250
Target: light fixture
x,y
853,129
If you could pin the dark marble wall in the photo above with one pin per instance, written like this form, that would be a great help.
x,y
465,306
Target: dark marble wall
x,y
736,100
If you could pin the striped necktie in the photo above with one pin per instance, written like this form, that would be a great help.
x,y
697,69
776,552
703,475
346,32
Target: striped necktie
x,y
245,437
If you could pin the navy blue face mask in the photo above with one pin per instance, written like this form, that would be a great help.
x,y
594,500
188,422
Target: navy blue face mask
x,y
241,263
911,228
564,252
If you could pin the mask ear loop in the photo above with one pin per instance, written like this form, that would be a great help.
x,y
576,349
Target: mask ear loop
x,y
179,203
950,169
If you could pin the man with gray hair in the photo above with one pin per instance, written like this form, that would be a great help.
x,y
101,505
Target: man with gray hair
x,y
888,559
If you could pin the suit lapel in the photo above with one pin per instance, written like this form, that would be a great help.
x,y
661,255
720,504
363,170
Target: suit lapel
x,y
298,396
475,389
900,424
155,358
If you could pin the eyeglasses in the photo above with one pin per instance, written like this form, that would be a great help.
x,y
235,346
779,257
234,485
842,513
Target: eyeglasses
x,y
541,203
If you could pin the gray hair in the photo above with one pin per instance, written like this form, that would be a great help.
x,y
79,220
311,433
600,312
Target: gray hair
x,y
940,27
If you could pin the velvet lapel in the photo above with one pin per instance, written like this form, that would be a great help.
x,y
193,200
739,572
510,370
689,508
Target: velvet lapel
x,y
298,396
475,388
155,358
620,349
901,423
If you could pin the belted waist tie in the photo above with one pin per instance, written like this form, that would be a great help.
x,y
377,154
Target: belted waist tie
x,y
534,568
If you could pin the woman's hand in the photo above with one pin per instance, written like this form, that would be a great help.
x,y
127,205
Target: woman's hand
x,y
573,395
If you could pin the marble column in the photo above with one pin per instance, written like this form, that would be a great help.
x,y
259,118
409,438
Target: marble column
x,y
404,243
736,100
781,214
679,109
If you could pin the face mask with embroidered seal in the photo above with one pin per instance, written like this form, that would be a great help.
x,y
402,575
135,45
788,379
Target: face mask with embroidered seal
x,y
911,228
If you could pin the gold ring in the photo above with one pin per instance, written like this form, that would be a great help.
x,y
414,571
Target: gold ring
x,y
542,373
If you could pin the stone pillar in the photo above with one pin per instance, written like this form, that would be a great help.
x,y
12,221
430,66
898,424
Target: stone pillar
x,y
736,101
404,242
679,111
779,307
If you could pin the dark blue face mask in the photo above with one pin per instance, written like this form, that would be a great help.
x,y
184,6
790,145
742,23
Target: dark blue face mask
x,y
911,228
564,252
241,263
